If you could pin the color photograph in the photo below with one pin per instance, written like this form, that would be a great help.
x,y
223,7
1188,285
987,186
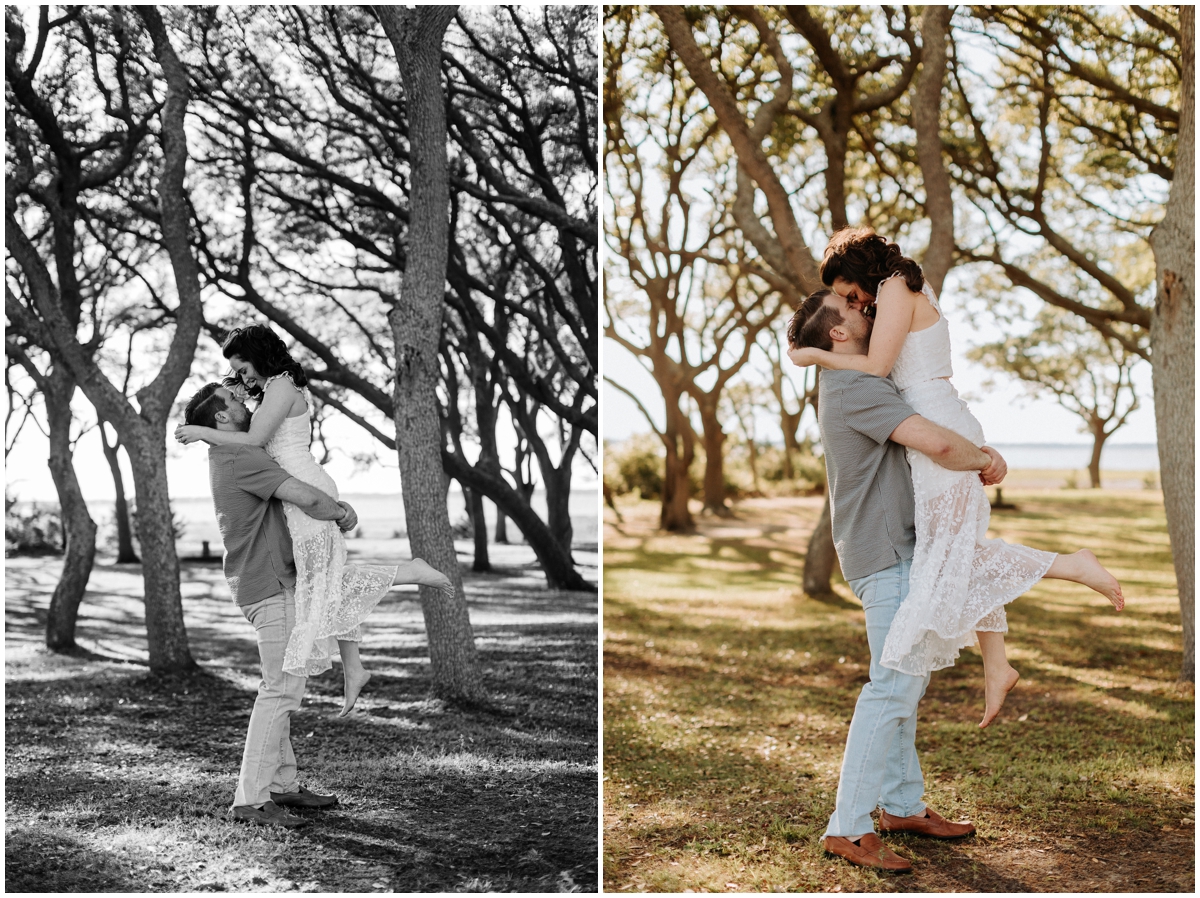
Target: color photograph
x,y
898,428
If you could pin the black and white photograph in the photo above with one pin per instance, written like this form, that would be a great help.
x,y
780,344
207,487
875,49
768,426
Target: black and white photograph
x,y
302,455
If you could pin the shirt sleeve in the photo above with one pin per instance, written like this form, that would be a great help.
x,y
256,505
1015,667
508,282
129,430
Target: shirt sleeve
x,y
873,407
257,473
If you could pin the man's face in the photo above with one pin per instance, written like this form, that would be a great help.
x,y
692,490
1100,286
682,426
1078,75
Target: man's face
x,y
239,416
846,298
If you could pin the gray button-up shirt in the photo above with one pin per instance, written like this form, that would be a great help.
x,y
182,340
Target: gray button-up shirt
x,y
870,485
258,547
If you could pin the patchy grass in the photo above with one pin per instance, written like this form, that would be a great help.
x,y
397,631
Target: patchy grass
x,y
117,780
728,694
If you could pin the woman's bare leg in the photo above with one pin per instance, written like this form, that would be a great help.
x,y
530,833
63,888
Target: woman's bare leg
x,y
1083,567
352,669
998,677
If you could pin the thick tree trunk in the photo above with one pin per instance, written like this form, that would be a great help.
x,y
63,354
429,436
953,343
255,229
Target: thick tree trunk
x,y
927,106
821,556
1173,336
165,629
474,502
78,527
416,35
714,462
679,441
125,553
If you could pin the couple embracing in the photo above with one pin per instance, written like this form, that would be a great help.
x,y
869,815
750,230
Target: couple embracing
x,y
906,465
285,559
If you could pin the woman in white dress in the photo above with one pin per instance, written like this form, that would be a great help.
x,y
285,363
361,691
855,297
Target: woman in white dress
x,y
333,597
960,580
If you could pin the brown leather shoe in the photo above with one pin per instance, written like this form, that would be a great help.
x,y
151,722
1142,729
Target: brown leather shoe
x,y
869,852
931,824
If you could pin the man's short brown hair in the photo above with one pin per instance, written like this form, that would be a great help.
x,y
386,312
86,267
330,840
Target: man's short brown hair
x,y
812,321
203,407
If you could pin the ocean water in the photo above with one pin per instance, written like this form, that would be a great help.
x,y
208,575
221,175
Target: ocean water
x,y
379,517
1067,456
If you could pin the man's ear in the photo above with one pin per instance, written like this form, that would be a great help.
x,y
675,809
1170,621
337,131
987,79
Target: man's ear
x,y
222,417
838,334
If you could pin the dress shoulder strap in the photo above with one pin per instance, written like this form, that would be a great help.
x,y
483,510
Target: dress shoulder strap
x,y
303,391
932,297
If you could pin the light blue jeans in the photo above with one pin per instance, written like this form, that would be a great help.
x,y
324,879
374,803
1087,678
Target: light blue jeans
x,y
268,763
880,766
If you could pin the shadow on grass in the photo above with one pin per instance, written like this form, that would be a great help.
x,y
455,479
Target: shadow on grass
x,y
727,704
137,771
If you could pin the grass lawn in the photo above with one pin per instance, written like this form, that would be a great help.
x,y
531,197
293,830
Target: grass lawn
x,y
728,693
117,780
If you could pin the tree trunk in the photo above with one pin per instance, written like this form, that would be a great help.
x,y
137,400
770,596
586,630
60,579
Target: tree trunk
x,y
1098,438
558,506
560,571
714,462
821,555
165,629
79,529
416,35
680,444
753,450
927,106
474,502
501,527
125,553
1172,336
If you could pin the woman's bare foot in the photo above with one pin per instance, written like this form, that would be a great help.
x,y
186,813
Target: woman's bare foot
x,y
996,690
423,573
1091,573
355,681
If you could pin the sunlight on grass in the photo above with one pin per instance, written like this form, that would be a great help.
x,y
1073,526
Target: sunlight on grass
x,y
728,694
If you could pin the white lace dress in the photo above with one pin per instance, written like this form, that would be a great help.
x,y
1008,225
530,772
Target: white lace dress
x,y
332,597
960,580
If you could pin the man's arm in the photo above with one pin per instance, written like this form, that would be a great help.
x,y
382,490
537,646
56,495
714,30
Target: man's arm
x,y
315,503
944,446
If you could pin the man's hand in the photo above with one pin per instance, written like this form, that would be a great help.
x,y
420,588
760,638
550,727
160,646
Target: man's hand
x,y
350,521
995,472
189,433
802,356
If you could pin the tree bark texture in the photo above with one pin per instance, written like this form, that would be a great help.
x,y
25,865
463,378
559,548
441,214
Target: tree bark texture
x,y
78,527
821,555
125,552
680,444
714,462
416,35
927,105
1173,338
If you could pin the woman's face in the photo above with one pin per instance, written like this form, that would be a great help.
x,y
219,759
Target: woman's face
x,y
856,297
243,369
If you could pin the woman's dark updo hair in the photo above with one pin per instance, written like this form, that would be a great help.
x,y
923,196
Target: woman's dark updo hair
x,y
862,257
258,345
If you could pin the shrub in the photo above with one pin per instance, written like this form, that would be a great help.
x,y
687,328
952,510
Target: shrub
x,y
34,531
635,466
